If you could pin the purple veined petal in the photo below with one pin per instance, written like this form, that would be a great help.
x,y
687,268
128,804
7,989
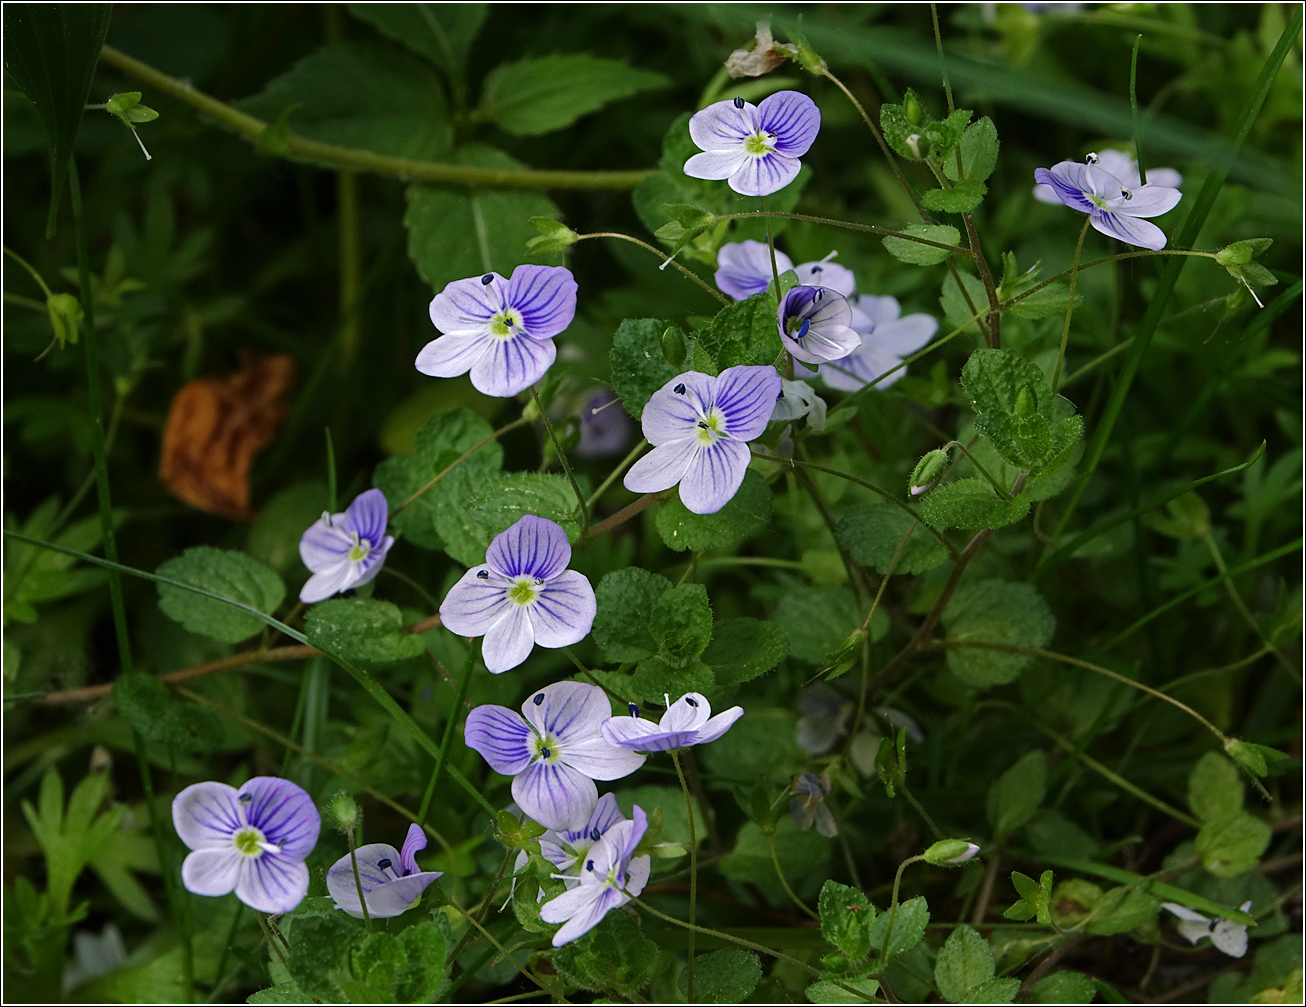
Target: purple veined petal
x,y
718,725
1067,182
599,760
551,852
475,603
606,814
904,336
637,876
323,546
212,872
827,274
793,118
502,738
688,713
272,883
563,907
1130,230
746,397
546,298
1100,182
1147,201
714,476
722,126
509,641
876,310
371,875
323,585
452,355
662,467
512,365
368,515
846,374
626,836
531,547
638,735
564,610
590,917
744,268
466,306
716,165
830,342
366,569
1046,194
414,843
284,812
673,411
207,815
762,176
556,796
567,712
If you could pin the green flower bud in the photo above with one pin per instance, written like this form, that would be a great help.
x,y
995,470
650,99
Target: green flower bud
x,y
140,113
1026,402
809,59
554,236
119,103
911,108
673,346
65,317
515,832
927,470
343,813
950,852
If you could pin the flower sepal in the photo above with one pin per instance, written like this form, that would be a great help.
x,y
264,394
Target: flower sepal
x,y
518,833
554,236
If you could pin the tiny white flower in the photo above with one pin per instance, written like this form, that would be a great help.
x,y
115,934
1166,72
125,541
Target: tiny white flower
x,y
1229,937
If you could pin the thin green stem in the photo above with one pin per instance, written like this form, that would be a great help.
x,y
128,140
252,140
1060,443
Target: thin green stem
x,y
519,422
334,156
220,974
850,226
938,42
447,740
920,810
612,476
689,273
770,246
1105,260
273,943
31,269
784,882
1095,362
1070,304
485,905
358,882
893,911
1138,122
1214,548
562,459
693,873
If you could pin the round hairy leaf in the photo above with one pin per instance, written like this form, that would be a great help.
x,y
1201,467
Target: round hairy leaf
x,y
873,534
232,575
748,512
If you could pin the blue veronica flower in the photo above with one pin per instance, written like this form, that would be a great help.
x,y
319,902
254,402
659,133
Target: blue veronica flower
x,y
688,721
887,337
252,840
755,147
815,324
390,878
700,427
604,425
1114,208
500,330
566,849
554,753
611,875
1124,168
346,550
744,269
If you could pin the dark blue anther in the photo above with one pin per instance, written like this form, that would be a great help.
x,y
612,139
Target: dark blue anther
x,y
780,395
545,753
595,833
383,863
589,865
820,292
539,581
487,279
692,701
539,698
816,269
482,574
633,708
739,103
679,389
407,872
245,798
807,324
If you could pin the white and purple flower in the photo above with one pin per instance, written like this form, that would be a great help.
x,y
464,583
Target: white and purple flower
x,y
887,337
815,324
796,400
1124,168
555,753
1114,208
390,878
522,595
744,268
611,876
346,550
252,840
565,849
700,427
688,721
604,425
755,147
1229,937
500,330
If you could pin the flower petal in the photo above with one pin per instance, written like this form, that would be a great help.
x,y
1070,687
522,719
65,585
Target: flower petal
x,y
509,641
662,467
556,796
829,342
1046,194
1167,177
568,711
607,814
452,355
637,876
672,412
718,725
1130,230
828,274
590,916
512,365
414,843
475,603
546,298
876,310
714,476
904,336
564,610
386,895
793,118
715,165
368,515
1147,201
207,815
285,813
370,565
272,883
1231,938
723,126
324,545
744,268
688,713
532,547
599,760
320,586
501,737
466,306
746,395
1068,183
212,872
762,176
639,735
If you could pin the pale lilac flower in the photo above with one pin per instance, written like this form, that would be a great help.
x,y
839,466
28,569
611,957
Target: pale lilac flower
x,y
522,595
565,849
886,338
744,268
796,400
611,876
346,550
604,425
1124,167
700,427
1229,937
827,274
390,878
755,147
500,330
815,324
807,806
688,721
1114,208
554,754
252,839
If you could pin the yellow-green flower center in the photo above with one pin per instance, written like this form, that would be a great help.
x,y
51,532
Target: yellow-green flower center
x,y
1097,201
758,144
358,551
248,841
710,427
546,748
505,324
524,591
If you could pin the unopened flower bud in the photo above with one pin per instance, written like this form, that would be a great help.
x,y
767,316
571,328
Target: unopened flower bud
x,y
947,852
914,142
342,812
911,108
119,103
1026,403
65,316
927,470
673,346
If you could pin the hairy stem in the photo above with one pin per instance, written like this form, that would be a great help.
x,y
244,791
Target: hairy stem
x,y
693,875
562,459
